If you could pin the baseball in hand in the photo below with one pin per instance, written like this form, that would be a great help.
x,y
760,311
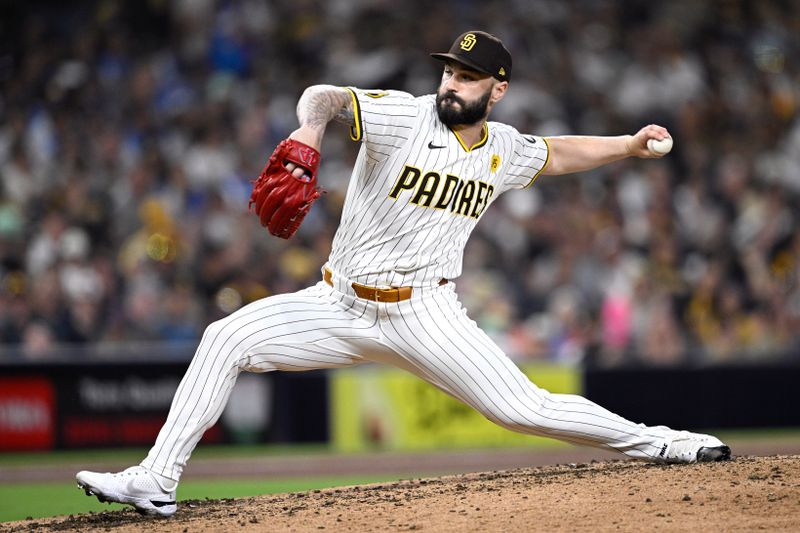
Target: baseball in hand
x,y
660,147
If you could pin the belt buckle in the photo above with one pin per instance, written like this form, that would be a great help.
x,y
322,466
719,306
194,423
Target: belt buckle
x,y
379,291
377,294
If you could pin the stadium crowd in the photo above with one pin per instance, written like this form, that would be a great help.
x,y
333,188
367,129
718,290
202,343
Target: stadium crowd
x,y
130,132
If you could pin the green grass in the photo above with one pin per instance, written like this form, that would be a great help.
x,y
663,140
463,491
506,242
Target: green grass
x,y
37,500
126,455
20,500
134,455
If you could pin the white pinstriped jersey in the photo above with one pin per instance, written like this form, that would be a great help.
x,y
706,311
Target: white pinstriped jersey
x,y
415,195
417,191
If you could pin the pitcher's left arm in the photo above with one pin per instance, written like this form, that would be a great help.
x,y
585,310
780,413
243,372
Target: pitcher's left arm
x,y
576,153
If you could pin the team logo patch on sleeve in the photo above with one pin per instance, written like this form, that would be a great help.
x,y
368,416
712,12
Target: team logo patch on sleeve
x,y
495,164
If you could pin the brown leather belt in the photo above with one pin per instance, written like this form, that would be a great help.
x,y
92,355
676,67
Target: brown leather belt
x,y
376,294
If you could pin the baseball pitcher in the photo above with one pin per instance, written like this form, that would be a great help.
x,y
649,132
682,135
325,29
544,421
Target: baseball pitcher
x,y
427,170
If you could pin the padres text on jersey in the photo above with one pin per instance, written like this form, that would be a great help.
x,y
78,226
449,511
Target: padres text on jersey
x,y
417,191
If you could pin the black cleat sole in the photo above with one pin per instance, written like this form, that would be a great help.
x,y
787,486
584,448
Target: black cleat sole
x,y
90,492
717,453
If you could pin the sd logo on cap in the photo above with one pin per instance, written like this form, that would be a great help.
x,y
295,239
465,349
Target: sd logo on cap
x,y
480,51
468,42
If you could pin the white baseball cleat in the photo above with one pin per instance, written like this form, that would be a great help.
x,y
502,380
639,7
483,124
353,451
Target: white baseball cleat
x,y
135,486
687,447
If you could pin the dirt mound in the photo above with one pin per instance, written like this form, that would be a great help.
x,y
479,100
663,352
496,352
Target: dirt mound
x,y
746,494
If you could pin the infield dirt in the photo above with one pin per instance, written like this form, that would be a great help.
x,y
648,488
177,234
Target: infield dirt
x,y
747,494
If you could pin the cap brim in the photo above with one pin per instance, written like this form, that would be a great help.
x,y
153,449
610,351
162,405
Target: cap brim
x,y
457,59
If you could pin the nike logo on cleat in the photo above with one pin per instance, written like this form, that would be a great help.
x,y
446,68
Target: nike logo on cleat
x,y
162,504
434,146
663,450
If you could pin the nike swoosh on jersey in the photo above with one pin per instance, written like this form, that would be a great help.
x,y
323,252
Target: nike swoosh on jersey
x,y
432,146
529,138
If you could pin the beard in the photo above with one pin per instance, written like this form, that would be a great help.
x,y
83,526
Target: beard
x,y
467,114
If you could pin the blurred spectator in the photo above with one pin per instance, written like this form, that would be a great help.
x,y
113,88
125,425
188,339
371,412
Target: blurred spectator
x,y
129,132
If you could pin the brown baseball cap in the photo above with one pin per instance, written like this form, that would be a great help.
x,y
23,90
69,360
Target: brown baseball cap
x,y
480,51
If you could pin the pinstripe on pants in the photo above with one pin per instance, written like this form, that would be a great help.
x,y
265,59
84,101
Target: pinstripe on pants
x,y
429,335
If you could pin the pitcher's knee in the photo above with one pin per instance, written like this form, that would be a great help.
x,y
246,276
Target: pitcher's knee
x,y
520,421
225,337
214,333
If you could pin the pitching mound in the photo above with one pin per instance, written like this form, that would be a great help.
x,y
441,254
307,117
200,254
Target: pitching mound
x,y
746,494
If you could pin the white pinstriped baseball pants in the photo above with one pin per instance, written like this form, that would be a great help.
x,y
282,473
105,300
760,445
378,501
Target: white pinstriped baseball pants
x,y
429,335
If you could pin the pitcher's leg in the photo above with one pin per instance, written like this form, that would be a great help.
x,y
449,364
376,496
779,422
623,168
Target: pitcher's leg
x,y
286,332
276,333
448,349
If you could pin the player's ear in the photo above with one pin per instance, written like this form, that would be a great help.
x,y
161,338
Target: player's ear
x,y
499,91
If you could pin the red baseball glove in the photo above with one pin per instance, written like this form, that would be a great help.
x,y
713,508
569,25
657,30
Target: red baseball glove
x,y
280,200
